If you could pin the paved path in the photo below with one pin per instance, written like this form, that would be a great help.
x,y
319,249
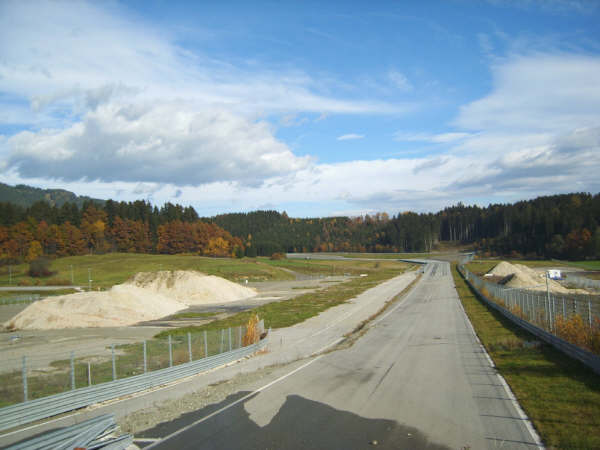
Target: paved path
x,y
417,379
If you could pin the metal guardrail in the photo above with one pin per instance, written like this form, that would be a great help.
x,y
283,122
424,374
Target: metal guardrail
x,y
93,433
16,299
30,411
587,358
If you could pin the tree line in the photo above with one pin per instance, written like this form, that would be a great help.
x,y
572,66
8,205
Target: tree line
x,y
558,226
26,233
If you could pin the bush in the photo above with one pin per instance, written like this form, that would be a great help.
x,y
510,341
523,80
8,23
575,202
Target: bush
x,y
277,256
40,267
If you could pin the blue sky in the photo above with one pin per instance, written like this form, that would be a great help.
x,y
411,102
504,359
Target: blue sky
x,y
316,108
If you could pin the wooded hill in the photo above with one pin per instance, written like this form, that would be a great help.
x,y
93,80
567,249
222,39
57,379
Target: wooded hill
x,y
559,226
24,195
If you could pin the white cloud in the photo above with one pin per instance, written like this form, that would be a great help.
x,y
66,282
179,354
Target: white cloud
x,y
539,93
162,143
400,81
440,138
350,137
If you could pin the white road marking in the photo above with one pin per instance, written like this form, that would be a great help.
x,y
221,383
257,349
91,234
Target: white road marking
x,y
224,408
534,435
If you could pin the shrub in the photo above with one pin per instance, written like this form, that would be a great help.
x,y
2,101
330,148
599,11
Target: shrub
x,y
251,336
277,256
40,267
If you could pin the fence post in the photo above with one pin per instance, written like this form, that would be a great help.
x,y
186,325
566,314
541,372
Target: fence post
x,y
114,366
240,336
170,352
564,310
205,345
73,371
89,373
590,312
222,340
145,358
24,375
190,345
229,332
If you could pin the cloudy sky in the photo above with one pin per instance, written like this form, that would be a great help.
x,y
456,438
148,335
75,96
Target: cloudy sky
x,y
315,108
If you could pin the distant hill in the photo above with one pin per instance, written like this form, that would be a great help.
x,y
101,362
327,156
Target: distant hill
x,y
24,195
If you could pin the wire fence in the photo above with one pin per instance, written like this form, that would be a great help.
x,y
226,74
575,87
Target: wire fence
x,y
582,282
572,317
41,376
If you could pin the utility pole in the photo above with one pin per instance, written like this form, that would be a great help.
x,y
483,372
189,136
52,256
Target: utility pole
x,y
548,300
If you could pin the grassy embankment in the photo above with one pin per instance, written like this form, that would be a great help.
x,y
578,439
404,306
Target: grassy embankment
x,y
559,394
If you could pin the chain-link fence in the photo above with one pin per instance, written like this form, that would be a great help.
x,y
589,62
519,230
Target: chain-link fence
x,y
41,376
582,282
573,317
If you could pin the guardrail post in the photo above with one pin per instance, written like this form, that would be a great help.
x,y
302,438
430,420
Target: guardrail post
x,y
229,332
205,345
114,365
24,375
190,345
89,373
170,352
73,371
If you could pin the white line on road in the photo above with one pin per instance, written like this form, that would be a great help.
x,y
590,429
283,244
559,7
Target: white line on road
x,y
534,435
246,397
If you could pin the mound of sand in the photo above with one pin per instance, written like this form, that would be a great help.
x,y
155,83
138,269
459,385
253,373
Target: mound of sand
x,y
524,277
191,288
148,296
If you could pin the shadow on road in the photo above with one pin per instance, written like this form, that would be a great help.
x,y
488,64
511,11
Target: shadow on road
x,y
299,423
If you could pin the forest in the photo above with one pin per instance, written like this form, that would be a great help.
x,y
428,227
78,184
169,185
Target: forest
x,y
560,226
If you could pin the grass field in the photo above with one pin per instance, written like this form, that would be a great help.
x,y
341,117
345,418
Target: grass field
x,y
289,312
384,255
559,394
113,268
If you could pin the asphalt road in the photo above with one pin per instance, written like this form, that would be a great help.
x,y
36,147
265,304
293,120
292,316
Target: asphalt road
x,y
416,379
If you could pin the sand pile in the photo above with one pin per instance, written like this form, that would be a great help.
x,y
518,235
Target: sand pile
x,y
191,288
524,277
148,296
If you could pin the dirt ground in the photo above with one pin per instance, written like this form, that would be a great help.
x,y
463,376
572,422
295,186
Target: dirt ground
x,y
44,346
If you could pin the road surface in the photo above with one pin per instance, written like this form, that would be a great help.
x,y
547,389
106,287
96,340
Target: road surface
x,y
417,378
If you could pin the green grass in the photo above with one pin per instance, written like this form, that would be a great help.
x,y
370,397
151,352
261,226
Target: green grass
x,y
114,268
385,255
560,395
289,312
129,362
194,315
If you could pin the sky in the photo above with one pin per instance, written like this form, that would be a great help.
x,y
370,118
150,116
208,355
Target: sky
x,y
313,108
